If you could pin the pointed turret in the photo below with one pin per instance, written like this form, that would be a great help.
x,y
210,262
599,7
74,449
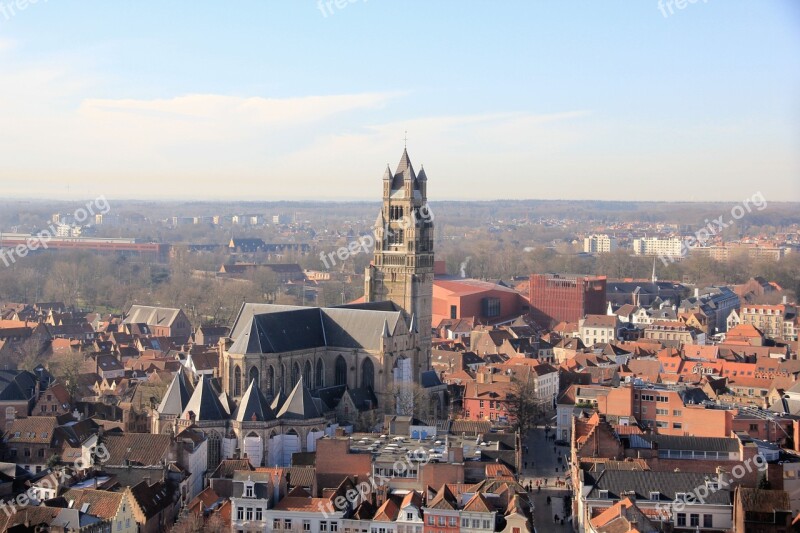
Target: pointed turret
x,y
254,406
299,405
386,333
204,404
412,326
178,395
278,400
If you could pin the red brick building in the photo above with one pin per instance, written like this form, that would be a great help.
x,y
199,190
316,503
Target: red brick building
x,y
485,302
564,298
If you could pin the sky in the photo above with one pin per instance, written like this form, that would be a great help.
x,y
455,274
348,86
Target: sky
x,y
299,99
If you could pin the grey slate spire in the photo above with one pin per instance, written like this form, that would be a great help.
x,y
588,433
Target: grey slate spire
x,y
254,406
299,405
204,403
177,396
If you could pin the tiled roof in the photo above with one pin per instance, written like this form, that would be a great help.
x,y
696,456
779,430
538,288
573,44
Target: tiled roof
x,y
102,504
34,429
141,449
478,504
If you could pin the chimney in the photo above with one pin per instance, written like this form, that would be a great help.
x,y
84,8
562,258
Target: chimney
x,y
784,300
697,292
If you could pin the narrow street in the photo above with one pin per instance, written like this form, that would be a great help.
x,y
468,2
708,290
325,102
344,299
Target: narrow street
x,y
540,464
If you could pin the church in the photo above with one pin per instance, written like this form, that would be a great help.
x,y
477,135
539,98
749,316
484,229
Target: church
x,y
279,360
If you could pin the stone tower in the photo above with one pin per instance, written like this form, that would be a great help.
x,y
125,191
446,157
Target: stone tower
x,y
402,267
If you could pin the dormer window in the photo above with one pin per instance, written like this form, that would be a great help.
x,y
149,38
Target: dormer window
x,y
655,496
249,488
603,494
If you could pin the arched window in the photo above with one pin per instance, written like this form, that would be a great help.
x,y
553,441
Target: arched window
x,y
253,376
340,371
270,380
320,374
237,381
284,376
367,374
214,451
295,374
307,375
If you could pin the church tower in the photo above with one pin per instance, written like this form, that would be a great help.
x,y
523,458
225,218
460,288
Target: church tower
x,y
402,267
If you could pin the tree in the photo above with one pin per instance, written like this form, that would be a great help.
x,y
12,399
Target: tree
x,y
523,405
67,369
408,399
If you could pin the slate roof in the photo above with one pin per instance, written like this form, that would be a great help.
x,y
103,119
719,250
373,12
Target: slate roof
x,y
263,328
205,403
667,484
299,405
429,379
254,406
16,385
152,316
679,442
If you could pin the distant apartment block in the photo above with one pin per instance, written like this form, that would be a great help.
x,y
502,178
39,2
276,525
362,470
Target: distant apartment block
x,y
672,247
599,244
754,252
566,298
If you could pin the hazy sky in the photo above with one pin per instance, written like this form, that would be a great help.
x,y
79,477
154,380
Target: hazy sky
x,y
291,99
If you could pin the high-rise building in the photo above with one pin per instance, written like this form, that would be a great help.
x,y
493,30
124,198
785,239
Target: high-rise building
x,y
559,297
671,248
599,244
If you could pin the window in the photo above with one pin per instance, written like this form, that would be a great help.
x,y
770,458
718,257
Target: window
x,y
753,427
240,513
677,425
259,514
655,496
442,521
481,404
249,513
486,524
248,491
491,307
465,522
334,526
694,520
476,523
453,311
127,522
430,520
708,520
306,525
409,516
276,523
323,526
287,523
664,412
676,412
396,237
681,520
